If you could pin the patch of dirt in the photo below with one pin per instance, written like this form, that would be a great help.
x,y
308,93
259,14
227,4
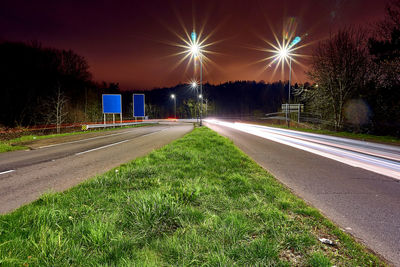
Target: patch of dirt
x,y
294,259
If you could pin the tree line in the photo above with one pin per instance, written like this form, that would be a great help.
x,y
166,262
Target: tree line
x,y
230,99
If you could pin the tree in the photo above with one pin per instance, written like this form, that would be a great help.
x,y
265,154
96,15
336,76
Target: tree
x,y
384,87
54,109
339,67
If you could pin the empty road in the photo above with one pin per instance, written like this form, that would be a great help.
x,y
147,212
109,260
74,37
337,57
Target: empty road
x,y
25,175
355,184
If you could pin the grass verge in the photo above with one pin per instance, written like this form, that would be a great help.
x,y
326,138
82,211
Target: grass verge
x,y
197,201
18,143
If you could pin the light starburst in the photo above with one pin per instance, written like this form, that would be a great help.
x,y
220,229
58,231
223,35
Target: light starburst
x,y
283,51
191,49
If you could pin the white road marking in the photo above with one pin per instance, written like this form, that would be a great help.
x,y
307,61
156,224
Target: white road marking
x,y
82,140
154,132
7,172
94,149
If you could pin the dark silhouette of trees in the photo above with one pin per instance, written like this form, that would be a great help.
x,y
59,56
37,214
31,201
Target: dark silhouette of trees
x,y
232,99
384,86
31,75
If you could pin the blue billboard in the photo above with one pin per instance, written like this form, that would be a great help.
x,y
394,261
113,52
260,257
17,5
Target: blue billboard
x,y
138,105
112,104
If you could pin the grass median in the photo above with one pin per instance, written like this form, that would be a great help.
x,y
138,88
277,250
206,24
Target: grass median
x,y
196,201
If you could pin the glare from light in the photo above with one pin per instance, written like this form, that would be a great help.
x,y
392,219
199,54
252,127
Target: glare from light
x,y
172,96
195,49
283,53
194,84
200,96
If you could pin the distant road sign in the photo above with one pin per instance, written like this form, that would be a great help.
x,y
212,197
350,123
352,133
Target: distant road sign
x,y
292,107
112,103
138,105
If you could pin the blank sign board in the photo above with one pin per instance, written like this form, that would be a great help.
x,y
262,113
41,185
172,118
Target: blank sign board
x,y
138,105
112,104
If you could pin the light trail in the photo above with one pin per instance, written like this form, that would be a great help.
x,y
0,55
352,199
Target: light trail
x,y
381,159
9,171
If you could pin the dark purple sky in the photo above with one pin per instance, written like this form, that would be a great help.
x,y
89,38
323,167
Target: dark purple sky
x,y
127,41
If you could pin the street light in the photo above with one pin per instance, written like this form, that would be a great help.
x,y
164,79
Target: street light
x,y
295,41
174,98
194,86
195,47
283,53
202,102
195,50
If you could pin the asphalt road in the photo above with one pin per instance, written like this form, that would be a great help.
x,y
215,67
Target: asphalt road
x,y
25,175
336,176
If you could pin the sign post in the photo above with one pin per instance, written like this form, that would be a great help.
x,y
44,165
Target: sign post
x,y
288,108
112,104
138,106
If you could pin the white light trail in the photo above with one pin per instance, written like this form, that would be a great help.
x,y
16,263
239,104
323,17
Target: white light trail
x,y
381,162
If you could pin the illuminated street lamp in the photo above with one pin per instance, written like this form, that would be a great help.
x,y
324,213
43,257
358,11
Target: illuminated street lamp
x,y
283,53
193,84
174,98
295,41
202,102
195,50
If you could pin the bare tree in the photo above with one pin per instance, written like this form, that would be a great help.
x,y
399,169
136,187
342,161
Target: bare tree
x,y
54,109
339,67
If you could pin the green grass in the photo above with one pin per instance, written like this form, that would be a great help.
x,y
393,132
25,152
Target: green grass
x,y
197,201
19,143
358,136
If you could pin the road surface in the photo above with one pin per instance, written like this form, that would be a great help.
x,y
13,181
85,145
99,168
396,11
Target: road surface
x,y
25,175
355,184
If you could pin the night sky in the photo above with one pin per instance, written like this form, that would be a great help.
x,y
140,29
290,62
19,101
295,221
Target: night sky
x,y
130,42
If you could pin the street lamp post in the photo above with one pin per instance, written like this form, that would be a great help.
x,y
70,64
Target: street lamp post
x,y
202,99
201,89
206,113
194,85
174,98
195,50
284,53
290,77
